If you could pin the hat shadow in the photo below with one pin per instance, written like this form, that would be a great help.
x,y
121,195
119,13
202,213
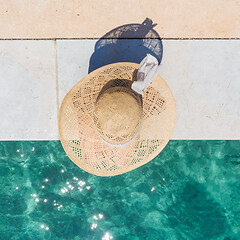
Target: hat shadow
x,y
127,43
122,83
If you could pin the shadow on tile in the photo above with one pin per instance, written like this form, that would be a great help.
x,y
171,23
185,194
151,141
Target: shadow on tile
x,y
127,43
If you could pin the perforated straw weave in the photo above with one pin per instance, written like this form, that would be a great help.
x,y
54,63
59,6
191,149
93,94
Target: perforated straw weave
x,y
117,115
79,136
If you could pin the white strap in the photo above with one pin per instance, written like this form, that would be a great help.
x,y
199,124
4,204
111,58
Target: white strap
x,y
148,70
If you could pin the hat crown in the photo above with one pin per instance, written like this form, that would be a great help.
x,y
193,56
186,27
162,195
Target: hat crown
x,y
118,115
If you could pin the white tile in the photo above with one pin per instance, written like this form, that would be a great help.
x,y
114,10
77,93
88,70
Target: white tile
x,y
204,76
28,96
76,58
73,58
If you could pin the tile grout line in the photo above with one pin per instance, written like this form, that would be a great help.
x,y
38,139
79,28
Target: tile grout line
x,y
56,69
93,38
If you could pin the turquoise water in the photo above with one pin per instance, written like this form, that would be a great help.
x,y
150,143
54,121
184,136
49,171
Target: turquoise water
x,y
190,191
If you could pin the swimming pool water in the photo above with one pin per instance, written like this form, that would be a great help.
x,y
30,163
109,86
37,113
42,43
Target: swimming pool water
x,y
191,190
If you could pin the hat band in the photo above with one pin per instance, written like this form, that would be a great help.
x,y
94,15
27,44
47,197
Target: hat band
x,y
119,145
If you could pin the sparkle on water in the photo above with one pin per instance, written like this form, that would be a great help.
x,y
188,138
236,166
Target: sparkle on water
x,y
191,190
94,225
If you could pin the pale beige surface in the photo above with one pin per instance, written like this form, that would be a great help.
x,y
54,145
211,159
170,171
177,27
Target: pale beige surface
x,y
93,18
28,96
202,75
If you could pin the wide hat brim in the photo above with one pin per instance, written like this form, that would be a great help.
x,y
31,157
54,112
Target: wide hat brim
x,y
80,139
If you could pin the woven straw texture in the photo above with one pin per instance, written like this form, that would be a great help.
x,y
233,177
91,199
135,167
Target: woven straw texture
x,y
80,139
118,115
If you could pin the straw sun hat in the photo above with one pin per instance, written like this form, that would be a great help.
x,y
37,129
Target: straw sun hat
x,y
108,129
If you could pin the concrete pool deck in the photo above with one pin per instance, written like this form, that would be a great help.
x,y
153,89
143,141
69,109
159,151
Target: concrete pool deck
x,y
202,74
201,52
91,19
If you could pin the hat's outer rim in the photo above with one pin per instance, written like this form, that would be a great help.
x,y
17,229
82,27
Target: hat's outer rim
x,y
112,173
